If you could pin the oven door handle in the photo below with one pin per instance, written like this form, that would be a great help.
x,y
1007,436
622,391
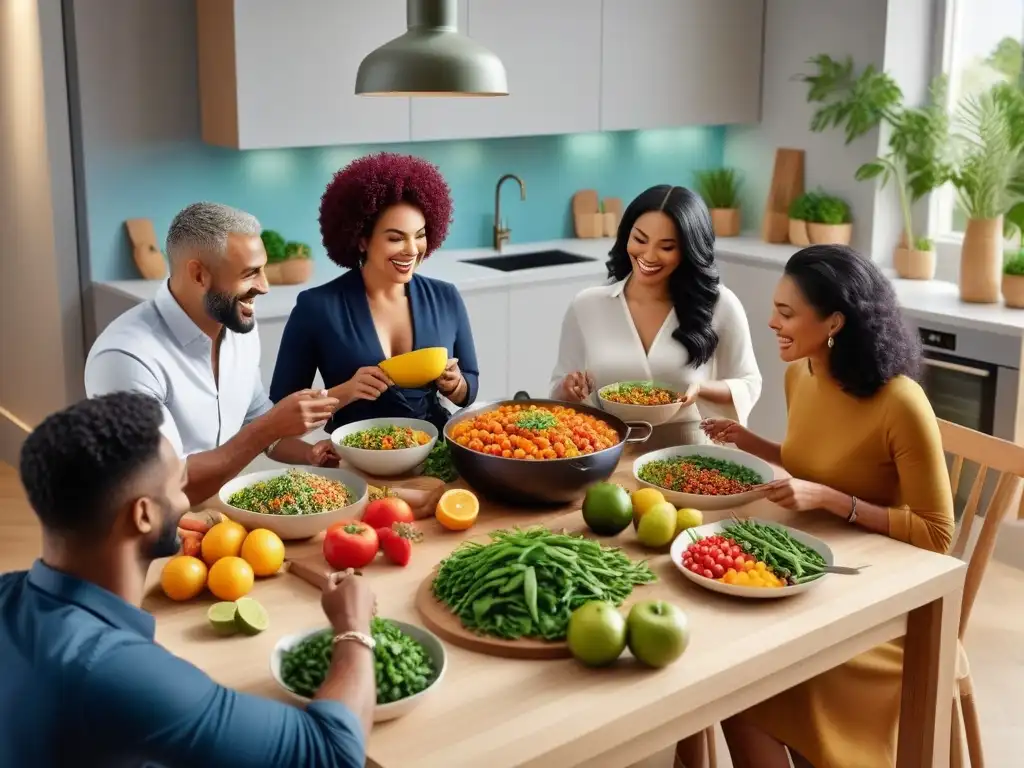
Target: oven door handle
x,y
981,373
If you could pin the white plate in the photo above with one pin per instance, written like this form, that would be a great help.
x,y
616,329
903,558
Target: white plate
x,y
683,541
697,501
296,526
382,712
384,463
654,415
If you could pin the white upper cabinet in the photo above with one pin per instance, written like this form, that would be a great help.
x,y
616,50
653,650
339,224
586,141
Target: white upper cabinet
x,y
282,74
672,63
551,50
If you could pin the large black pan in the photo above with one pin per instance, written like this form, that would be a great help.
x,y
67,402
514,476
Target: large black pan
x,y
540,483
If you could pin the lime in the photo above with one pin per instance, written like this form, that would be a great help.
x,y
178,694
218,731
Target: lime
x,y
658,525
222,618
251,617
607,509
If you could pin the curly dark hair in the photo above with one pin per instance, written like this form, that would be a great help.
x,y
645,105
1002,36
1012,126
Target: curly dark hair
x,y
693,286
75,465
875,344
360,191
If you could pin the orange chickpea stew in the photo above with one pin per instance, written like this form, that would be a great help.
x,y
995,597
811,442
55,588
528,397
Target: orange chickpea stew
x,y
639,393
534,432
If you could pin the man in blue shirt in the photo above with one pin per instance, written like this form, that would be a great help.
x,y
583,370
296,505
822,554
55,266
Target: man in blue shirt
x,y
82,682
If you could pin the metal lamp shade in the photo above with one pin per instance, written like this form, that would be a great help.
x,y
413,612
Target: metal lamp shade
x,y
432,59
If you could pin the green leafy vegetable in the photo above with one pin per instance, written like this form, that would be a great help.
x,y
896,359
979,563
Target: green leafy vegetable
x,y
273,244
439,463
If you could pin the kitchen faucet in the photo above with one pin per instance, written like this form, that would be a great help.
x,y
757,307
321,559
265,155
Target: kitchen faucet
x,y
502,234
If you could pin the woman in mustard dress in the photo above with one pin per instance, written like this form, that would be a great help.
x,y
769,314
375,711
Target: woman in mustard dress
x,y
862,443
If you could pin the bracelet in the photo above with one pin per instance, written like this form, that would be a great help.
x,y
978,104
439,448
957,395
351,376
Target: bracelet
x,y
270,448
358,637
852,518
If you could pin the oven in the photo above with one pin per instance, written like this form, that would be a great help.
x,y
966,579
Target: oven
x,y
971,378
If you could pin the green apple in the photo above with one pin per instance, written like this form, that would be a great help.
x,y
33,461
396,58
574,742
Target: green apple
x,y
607,509
657,526
688,518
657,632
596,633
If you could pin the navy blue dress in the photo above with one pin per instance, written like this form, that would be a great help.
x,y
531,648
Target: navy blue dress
x,y
331,330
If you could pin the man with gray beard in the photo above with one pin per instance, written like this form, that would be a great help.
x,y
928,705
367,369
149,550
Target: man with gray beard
x,y
195,348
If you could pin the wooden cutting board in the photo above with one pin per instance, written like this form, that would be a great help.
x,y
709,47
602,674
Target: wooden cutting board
x,y
446,625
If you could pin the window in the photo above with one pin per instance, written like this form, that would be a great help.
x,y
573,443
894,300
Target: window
x,y
981,45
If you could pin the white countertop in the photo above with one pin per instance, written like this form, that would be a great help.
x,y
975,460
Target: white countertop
x,y
931,299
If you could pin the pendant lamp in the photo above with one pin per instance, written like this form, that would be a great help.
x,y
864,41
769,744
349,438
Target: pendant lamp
x,y
432,59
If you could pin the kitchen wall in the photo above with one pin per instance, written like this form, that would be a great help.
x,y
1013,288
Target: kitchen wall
x,y
143,156
41,336
894,35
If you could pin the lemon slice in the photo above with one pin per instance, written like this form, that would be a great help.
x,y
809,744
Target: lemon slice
x,y
222,618
457,509
250,616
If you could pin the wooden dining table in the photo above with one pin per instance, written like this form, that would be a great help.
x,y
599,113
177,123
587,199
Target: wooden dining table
x,y
491,712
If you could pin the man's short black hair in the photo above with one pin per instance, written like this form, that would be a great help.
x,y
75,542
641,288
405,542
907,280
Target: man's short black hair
x,y
76,463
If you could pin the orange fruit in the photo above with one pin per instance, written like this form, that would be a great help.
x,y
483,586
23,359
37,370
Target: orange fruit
x,y
457,509
183,577
230,578
223,540
264,551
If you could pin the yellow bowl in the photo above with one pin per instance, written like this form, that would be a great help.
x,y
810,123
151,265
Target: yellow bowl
x,y
417,368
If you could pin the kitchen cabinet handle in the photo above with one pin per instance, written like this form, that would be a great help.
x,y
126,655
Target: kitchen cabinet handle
x,y
981,373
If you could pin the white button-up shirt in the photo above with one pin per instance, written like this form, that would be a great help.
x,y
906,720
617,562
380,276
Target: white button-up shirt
x,y
598,336
155,348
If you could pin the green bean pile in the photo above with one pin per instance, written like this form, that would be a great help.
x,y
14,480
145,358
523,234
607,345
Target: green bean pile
x,y
789,559
525,583
402,666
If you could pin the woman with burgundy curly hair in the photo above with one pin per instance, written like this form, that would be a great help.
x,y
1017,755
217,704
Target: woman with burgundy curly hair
x,y
380,218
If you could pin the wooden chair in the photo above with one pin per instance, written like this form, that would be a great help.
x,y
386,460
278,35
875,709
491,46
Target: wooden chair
x,y
1002,462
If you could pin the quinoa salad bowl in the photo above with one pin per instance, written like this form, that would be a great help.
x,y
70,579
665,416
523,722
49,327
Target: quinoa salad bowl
x,y
294,502
706,477
385,447
646,401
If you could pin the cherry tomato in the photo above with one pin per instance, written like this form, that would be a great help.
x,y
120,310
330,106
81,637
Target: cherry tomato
x,y
727,562
696,569
734,550
708,574
718,571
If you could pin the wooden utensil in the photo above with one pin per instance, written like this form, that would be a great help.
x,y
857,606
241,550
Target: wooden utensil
x,y
612,215
147,256
586,214
787,185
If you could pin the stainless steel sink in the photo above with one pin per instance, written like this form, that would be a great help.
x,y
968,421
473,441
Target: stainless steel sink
x,y
513,262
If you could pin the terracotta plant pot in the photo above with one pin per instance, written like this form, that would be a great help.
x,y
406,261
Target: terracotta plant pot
x,y
798,232
296,271
1013,291
725,221
829,234
914,265
273,273
981,261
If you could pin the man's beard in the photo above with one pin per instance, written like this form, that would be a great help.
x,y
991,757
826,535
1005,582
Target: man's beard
x,y
223,307
167,542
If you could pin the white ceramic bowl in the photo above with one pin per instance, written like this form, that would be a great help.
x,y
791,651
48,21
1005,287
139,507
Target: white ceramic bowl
x,y
382,712
697,501
683,541
384,463
296,526
654,415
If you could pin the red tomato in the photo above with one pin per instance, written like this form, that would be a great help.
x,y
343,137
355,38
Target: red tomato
x,y
718,571
383,513
350,544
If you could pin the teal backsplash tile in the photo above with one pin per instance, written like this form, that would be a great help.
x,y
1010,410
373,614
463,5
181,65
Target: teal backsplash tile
x,y
283,187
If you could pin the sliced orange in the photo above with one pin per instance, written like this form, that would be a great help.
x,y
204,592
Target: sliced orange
x,y
457,509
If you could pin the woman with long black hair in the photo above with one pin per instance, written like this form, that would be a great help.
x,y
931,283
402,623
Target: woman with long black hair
x,y
663,317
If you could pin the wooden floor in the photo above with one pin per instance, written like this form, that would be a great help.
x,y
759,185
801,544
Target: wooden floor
x,y
995,641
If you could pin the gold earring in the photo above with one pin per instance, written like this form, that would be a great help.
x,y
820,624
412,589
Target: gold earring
x,y
831,342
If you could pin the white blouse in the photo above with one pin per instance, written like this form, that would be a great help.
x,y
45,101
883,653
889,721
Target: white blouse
x,y
598,336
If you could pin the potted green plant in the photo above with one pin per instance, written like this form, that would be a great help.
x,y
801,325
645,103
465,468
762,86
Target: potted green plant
x,y
273,244
720,188
1012,285
917,160
801,211
297,266
989,180
830,221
